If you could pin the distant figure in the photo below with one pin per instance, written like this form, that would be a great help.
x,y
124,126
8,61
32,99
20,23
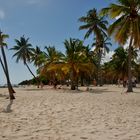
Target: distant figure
x,y
55,83
134,80
124,83
119,82
94,82
42,85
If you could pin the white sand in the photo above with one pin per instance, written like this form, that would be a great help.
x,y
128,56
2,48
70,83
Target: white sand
x,y
101,114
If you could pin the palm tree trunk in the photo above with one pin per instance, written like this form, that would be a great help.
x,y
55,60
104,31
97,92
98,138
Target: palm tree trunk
x,y
130,89
2,65
73,84
72,75
5,69
99,81
8,80
37,80
82,80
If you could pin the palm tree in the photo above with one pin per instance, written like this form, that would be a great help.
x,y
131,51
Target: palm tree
x,y
97,26
51,59
24,52
101,48
94,24
108,72
37,56
68,66
117,68
52,55
88,55
5,65
126,27
120,63
76,60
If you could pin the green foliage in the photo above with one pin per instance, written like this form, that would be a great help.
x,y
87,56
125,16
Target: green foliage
x,y
128,21
23,49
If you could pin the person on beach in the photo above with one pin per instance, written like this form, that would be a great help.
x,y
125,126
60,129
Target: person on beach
x,y
119,82
94,82
55,83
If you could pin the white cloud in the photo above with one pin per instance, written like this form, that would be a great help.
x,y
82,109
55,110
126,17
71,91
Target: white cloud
x,y
2,14
107,57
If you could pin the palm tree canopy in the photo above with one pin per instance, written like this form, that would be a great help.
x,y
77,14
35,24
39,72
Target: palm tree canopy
x,y
94,24
74,50
103,44
74,61
52,55
127,23
37,56
119,62
77,56
23,50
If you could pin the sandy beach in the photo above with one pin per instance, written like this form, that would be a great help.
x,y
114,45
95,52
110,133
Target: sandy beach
x,y
102,113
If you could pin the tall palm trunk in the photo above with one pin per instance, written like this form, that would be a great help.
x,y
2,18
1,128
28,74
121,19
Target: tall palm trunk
x,y
72,75
130,89
82,79
99,81
5,69
37,80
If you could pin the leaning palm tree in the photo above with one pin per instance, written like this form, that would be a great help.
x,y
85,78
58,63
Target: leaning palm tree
x,y
37,57
96,25
126,27
5,65
24,52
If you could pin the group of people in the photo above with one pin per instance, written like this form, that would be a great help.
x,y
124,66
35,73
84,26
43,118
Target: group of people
x,y
125,82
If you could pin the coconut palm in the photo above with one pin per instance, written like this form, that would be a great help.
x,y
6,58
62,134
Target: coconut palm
x,y
68,66
76,60
103,45
101,48
37,57
108,72
126,27
120,61
96,25
52,55
5,65
24,52
117,68
51,59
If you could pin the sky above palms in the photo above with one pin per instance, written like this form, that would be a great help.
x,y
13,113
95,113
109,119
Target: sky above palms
x,y
45,22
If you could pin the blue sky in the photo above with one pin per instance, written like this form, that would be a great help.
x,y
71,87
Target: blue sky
x,y
45,22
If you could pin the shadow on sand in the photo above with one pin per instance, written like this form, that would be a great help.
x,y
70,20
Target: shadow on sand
x,y
2,95
32,89
8,107
98,91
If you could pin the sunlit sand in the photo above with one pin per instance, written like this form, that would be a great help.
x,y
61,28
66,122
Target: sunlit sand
x,y
102,113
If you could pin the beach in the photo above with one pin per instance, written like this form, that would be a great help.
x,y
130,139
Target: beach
x,y
102,113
